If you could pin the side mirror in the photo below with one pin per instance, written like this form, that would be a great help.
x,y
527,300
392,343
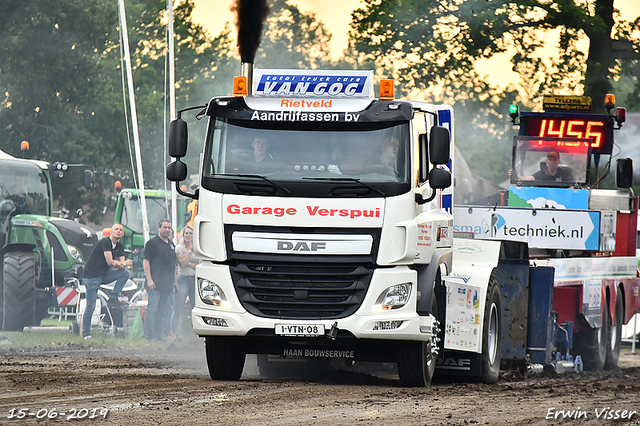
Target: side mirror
x,y
178,138
176,171
423,150
440,141
439,178
88,179
624,173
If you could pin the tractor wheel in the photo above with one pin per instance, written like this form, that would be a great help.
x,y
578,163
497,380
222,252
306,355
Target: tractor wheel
x,y
225,358
491,334
19,291
613,348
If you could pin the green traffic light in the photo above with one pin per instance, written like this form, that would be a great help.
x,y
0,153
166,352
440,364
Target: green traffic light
x,y
513,109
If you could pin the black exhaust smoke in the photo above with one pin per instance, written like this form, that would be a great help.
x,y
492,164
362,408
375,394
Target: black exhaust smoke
x,y
250,18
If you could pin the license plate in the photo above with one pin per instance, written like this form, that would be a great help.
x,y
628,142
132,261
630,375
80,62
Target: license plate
x,y
304,330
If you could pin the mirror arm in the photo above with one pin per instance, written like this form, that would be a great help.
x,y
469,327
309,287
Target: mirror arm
x,y
421,200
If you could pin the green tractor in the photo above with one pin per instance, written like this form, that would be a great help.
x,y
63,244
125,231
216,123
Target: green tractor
x,y
39,253
128,211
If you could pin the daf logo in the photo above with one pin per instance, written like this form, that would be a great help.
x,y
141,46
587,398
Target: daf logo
x,y
454,364
301,246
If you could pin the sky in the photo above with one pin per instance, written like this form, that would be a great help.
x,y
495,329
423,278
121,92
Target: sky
x,y
336,15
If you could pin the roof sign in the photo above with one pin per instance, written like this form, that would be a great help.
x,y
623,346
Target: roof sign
x,y
313,83
566,103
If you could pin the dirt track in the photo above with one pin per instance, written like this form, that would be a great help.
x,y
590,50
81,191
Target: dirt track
x,y
168,384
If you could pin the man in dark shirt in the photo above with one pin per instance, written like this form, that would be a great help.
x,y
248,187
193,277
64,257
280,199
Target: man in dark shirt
x,y
160,272
106,264
553,172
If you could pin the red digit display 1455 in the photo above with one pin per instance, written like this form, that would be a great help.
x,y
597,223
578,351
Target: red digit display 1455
x,y
589,126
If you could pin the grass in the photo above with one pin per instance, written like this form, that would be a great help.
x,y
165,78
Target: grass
x,y
48,339
53,338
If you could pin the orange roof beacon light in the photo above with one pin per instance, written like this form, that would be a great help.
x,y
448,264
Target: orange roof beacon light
x,y
386,90
118,185
24,146
609,102
240,86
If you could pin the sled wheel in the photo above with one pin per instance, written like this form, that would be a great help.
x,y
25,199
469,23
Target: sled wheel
x,y
592,343
615,333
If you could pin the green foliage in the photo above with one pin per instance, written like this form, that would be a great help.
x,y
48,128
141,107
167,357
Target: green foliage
x,y
438,41
432,46
292,39
60,72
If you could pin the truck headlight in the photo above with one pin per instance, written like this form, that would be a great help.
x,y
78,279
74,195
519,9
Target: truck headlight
x,y
393,297
212,294
75,253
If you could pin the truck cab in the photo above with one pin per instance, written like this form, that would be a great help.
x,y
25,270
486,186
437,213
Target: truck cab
x,y
323,221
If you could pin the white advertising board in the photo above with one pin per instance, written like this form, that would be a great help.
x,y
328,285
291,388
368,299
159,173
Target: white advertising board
x,y
540,228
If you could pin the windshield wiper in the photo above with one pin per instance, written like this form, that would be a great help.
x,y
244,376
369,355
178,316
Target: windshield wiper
x,y
260,177
348,179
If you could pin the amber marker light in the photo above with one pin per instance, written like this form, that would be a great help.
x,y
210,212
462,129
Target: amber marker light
x,y
239,86
609,101
386,90
24,146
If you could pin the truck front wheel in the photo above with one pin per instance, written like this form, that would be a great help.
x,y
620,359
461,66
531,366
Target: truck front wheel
x,y
19,291
491,334
417,360
615,332
225,358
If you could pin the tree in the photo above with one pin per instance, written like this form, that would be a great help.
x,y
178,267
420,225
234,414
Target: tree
x,y
433,45
60,73
293,39
58,91
438,41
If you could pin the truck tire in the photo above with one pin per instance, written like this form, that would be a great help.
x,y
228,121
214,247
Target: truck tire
x,y
591,344
491,334
615,333
19,291
225,358
417,360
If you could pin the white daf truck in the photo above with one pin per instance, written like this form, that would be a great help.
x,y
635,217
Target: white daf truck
x,y
325,226
323,223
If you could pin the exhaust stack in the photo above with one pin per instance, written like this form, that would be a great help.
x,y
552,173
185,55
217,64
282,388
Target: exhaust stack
x,y
250,18
247,72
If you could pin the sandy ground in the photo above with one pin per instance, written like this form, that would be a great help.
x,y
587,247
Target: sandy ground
x,y
168,384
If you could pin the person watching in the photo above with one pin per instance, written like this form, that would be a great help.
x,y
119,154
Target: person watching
x,y
106,263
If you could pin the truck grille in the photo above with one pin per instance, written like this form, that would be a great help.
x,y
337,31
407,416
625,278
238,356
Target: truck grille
x,y
290,291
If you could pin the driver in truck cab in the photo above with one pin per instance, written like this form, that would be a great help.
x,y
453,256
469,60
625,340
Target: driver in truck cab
x,y
550,170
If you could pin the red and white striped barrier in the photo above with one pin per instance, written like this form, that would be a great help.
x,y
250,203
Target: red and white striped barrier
x,y
67,296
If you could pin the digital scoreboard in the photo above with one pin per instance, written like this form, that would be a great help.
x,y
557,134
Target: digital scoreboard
x,y
597,127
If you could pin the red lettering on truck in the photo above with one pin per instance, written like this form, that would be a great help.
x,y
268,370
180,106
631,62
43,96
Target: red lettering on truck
x,y
269,211
352,214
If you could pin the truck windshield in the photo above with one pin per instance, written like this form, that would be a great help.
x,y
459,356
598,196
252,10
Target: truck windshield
x,y
132,213
550,161
376,152
23,188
